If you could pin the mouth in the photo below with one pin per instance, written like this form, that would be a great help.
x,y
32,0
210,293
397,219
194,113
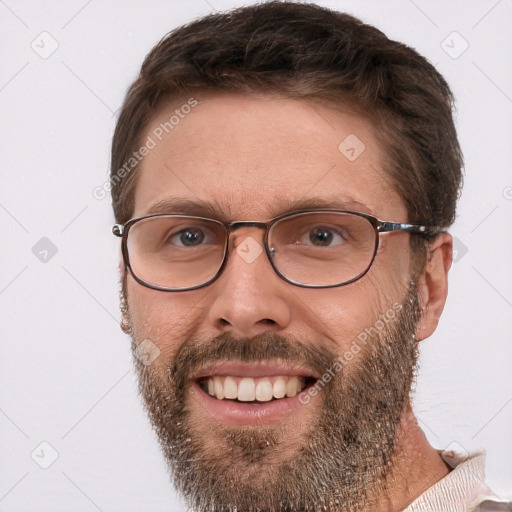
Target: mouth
x,y
243,393
254,390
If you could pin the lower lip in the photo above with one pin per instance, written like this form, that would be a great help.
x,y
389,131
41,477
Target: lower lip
x,y
239,413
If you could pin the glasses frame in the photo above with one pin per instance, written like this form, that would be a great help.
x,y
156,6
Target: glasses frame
x,y
379,226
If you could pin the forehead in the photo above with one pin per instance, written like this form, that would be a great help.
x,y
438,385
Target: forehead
x,y
254,157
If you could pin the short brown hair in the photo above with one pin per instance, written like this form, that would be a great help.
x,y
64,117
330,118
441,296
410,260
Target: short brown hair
x,y
306,51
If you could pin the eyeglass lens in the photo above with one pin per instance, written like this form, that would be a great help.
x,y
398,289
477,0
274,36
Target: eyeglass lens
x,y
319,249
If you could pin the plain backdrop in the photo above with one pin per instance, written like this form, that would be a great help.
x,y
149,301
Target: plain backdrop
x,y
66,375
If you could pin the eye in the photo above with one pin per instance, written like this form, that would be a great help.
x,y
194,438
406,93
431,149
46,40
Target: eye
x,y
189,237
324,236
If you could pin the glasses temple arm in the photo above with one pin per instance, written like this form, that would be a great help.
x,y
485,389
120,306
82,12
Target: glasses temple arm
x,y
418,229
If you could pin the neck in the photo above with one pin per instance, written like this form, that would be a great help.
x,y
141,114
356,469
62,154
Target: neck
x,y
416,467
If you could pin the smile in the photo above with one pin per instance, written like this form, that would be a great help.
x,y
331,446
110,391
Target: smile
x,y
251,393
248,389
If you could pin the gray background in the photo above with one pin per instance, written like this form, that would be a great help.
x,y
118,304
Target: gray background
x,y
65,370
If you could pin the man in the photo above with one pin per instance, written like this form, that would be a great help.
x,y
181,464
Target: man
x,y
282,179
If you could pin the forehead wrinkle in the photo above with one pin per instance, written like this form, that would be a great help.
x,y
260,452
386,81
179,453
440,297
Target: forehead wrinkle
x,y
213,208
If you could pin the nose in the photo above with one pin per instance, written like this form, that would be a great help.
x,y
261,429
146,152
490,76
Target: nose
x,y
249,297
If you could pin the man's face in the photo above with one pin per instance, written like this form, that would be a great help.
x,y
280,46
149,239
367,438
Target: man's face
x,y
255,158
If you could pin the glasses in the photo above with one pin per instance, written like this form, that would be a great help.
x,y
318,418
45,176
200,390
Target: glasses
x,y
312,249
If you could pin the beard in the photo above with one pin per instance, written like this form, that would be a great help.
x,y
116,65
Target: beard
x,y
340,460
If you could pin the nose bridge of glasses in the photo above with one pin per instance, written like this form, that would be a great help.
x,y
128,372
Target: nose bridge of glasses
x,y
234,226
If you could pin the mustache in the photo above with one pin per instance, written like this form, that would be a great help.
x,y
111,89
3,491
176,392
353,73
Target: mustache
x,y
193,356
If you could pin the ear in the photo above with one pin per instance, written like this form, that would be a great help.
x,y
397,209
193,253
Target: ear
x,y
433,284
125,322
121,268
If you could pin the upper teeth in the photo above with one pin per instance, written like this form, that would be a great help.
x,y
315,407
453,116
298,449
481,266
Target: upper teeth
x,y
247,389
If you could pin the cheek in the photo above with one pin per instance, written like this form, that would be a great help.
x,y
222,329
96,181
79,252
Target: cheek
x,y
341,314
393,261
164,318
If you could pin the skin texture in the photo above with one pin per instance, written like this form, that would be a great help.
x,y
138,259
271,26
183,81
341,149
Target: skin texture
x,y
254,156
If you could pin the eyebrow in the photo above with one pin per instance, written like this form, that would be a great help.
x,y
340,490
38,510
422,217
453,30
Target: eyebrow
x,y
212,209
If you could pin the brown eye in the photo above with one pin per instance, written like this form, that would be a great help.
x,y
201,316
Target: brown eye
x,y
324,236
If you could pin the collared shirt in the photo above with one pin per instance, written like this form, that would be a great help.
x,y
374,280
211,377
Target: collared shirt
x,y
462,490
